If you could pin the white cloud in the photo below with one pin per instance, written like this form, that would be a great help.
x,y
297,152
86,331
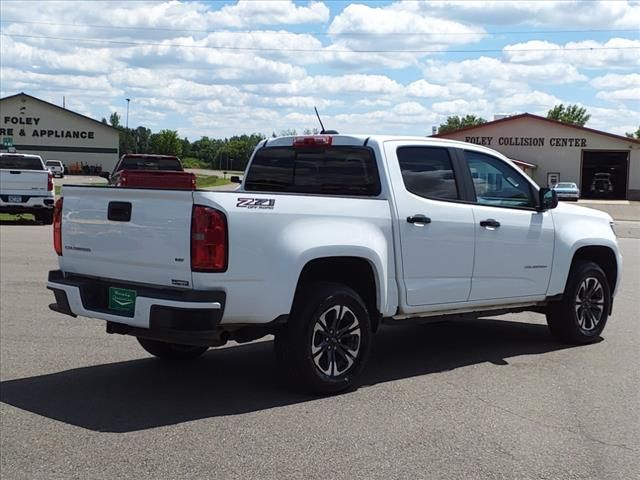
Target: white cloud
x,y
336,85
614,80
614,53
559,13
492,71
625,94
424,89
369,31
247,13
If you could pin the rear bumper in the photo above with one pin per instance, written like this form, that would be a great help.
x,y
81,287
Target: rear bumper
x,y
568,196
30,203
161,310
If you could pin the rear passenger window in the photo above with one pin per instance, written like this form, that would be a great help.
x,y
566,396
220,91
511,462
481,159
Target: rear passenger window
x,y
427,172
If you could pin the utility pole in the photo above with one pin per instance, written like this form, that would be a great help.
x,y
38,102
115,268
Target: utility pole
x,y
127,121
127,125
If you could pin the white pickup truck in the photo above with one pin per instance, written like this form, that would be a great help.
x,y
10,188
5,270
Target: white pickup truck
x,y
26,186
328,237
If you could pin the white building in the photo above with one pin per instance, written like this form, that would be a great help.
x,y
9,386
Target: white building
x,y
551,152
34,126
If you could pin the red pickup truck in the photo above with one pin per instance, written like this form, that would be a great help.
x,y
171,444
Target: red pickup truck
x,y
141,170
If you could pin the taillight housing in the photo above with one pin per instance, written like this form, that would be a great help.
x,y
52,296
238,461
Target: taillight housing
x,y
57,226
50,183
209,240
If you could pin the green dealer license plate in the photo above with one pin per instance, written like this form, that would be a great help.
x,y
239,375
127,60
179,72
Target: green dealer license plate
x,y
122,300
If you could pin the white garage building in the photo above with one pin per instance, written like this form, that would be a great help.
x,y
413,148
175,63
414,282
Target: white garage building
x,y
551,152
37,127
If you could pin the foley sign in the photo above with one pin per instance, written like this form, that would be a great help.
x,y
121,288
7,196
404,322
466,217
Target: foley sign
x,y
31,127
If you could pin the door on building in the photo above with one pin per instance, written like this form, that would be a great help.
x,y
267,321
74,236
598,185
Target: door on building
x,y
604,174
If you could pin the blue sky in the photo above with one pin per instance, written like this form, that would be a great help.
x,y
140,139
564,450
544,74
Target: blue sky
x,y
225,68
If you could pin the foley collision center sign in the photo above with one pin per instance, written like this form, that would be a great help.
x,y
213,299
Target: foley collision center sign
x,y
34,127
528,141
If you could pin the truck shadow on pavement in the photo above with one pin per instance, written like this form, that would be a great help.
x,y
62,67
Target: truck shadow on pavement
x,y
147,393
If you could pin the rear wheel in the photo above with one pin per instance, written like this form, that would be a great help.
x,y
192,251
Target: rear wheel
x,y
171,351
325,344
580,317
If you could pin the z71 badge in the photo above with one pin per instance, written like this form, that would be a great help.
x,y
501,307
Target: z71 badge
x,y
262,203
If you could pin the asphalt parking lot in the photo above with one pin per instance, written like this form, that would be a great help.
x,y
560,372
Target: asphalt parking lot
x,y
485,399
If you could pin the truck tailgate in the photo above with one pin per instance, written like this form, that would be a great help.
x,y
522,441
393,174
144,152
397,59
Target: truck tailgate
x,y
23,182
137,235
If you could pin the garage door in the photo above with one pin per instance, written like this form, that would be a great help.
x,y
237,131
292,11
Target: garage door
x,y
605,174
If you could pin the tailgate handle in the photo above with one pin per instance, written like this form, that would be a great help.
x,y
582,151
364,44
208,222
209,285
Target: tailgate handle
x,y
119,211
15,172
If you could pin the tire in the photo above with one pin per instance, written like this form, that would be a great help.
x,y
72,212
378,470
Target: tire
x,y
171,351
45,218
580,317
310,349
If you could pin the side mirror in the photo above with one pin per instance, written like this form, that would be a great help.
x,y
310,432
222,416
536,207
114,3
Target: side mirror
x,y
235,179
548,199
105,175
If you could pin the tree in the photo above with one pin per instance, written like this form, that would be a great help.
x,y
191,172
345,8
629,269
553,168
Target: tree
x,y
114,120
573,114
456,123
167,142
142,140
635,135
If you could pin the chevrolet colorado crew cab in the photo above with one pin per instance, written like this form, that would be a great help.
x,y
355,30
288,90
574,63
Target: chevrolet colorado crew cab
x,y
328,237
26,186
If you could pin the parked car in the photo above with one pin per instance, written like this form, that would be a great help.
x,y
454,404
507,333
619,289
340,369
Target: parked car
x,y
150,171
56,167
329,237
567,191
26,186
601,184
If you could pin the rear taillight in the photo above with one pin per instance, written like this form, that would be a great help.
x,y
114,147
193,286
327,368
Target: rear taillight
x,y
208,240
57,227
122,179
50,183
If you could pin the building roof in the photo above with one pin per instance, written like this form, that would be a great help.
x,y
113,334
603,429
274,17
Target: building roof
x,y
536,117
523,163
22,94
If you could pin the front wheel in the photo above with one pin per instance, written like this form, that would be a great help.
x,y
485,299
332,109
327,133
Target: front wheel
x,y
580,317
171,351
324,346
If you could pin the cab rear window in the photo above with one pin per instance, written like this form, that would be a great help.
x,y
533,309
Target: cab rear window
x,y
151,163
17,162
338,170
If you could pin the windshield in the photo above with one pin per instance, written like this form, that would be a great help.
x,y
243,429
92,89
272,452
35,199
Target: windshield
x,y
19,162
53,163
343,170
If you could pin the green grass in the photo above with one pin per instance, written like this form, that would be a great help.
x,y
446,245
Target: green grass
x,y
9,217
207,181
190,162
202,181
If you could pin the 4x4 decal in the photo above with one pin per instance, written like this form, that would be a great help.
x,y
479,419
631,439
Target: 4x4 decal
x,y
262,203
